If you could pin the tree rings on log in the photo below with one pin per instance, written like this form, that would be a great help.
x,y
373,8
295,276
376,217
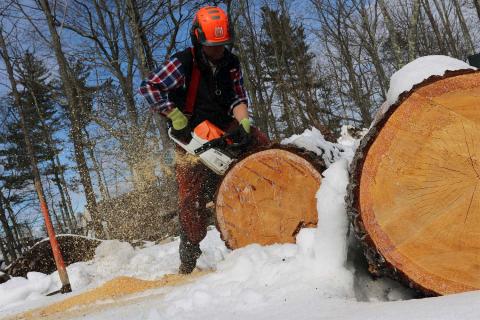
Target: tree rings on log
x,y
268,196
414,191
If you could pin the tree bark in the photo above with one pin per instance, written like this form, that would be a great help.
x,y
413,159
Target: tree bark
x,y
370,42
10,243
412,30
442,12
142,46
17,232
4,252
463,25
477,7
96,167
251,59
433,23
392,33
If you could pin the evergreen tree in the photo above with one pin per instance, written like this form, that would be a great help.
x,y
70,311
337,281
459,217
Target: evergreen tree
x,y
290,66
38,102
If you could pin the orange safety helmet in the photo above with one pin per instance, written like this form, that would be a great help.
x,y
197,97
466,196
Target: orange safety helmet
x,y
211,27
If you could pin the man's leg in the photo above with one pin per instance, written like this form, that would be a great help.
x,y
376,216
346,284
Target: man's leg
x,y
195,183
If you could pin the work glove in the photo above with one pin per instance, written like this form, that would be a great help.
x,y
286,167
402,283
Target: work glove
x,y
180,127
241,134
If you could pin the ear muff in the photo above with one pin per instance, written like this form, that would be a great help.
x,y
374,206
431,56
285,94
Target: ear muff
x,y
194,33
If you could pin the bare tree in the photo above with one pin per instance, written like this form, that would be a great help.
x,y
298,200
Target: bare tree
x,y
412,29
10,240
73,94
433,22
477,7
463,25
392,33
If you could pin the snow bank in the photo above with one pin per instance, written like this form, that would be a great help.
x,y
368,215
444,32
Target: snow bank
x,y
19,289
313,140
255,277
416,72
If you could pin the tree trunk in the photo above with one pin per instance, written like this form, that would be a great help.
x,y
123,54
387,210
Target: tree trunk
x,y
371,45
446,24
96,167
433,23
15,229
72,93
69,207
277,187
57,219
47,136
477,6
392,33
250,57
10,241
4,252
463,25
412,30
142,46
414,187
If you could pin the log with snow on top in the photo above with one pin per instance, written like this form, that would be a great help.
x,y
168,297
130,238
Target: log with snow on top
x,y
267,196
414,193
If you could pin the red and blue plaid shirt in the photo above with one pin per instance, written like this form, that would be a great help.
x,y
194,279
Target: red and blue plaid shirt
x,y
170,76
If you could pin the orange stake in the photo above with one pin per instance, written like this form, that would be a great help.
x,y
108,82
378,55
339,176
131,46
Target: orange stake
x,y
57,254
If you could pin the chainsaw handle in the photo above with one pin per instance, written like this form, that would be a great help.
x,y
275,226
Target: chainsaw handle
x,y
215,143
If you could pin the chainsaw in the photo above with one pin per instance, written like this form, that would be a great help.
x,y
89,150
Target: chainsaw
x,y
212,145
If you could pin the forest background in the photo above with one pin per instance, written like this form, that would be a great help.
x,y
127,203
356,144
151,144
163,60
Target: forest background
x,y
69,102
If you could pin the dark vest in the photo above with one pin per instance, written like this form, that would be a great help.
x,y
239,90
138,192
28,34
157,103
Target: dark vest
x,y
215,92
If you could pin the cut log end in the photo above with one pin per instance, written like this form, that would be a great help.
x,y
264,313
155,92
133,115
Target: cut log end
x,y
415,187
268,196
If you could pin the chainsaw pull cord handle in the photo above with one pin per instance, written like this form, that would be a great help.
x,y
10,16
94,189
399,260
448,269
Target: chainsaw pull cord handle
x,y
193,86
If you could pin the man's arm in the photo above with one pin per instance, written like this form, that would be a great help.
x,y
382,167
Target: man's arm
x,y
155,88
239,104
240,111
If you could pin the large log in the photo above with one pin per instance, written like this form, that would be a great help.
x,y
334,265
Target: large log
x,y
414,193
268,196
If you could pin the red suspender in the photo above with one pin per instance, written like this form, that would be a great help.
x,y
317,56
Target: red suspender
x,y
193,87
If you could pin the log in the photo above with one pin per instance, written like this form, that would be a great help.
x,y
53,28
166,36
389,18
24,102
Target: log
x,y
268,196
414,192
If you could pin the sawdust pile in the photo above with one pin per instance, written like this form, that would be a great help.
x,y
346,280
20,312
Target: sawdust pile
x,y
146,214
108,295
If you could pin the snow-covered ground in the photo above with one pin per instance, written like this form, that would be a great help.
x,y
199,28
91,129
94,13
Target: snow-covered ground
x,y
322,276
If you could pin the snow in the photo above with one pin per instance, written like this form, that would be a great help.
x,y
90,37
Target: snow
x,y
321,276
415,73
313,140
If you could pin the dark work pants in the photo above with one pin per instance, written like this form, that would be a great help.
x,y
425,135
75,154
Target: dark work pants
x,y
196,187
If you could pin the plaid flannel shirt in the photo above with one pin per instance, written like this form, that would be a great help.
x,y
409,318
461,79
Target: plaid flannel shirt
x,y
170,76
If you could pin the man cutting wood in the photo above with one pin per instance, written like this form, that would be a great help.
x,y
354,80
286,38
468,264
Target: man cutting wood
x,y
201,83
